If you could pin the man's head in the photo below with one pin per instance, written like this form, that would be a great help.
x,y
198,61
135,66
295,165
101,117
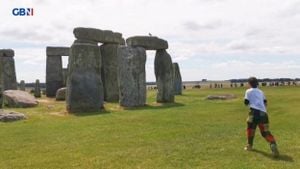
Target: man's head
x,y
253,82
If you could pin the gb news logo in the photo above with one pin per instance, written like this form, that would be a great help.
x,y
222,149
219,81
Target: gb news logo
x,y
22,11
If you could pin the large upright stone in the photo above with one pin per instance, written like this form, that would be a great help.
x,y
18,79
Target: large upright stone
x,y
37,89
132,76
54,76
164,77
97,35
147,42
54,71
177,79
22,85
85,92
65,75
9,80
110,72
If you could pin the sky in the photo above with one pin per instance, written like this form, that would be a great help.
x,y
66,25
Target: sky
x,y
210,39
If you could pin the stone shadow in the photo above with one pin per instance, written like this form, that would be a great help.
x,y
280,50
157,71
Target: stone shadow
x,y
95,113
155,107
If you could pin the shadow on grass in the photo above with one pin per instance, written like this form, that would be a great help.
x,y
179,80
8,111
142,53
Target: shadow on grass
x,y
102,112
157,106
281,157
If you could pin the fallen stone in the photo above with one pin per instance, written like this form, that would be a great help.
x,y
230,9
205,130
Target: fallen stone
x,y
57,51
18,99
8,116
147,42
61,94
132,76
221,97
97,35
164,77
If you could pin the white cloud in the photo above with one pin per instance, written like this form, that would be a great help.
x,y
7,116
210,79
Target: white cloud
x,y
192,27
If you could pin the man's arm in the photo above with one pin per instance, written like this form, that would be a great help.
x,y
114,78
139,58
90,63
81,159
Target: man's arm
x,y
246,102
265,102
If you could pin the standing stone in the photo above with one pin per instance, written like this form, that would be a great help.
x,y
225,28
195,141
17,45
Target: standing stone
x,y
164,76
9,80
177,79
65,75
54,70
22,85
37,89
85,92
110,72
132,76
54,76
1,83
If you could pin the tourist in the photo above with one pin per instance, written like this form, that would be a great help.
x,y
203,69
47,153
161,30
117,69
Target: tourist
x,y
255,99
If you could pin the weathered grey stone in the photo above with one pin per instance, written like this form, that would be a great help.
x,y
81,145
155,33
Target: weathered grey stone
x,y
10,116
37,89
18,99
164,77
9,80
132,76
147,42
22,85
97,35
177,79
65,75
1,83
57,51
54,75
110,72
85,90
7,53
61,94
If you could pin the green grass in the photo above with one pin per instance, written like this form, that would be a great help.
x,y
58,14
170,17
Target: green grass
x,y
192,133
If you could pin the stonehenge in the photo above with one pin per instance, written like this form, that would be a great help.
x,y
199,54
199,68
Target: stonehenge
x,y
163,65
164,76
102,67
132,76
177,79
54,70
9,80
88,64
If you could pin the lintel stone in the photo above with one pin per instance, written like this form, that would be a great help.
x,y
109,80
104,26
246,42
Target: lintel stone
x,y
147,42
57,51
98,35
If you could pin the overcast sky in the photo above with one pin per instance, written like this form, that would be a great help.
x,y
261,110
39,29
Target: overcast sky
x,y
210,39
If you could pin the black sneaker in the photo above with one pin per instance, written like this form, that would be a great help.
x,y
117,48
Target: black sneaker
x,y
274,150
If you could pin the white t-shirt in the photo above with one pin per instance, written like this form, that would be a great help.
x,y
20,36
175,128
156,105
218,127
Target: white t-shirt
x,y
256,99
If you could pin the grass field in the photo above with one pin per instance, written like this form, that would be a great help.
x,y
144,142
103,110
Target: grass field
x,y
192,133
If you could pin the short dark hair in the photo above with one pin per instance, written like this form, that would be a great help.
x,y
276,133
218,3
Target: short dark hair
x,y
253,82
